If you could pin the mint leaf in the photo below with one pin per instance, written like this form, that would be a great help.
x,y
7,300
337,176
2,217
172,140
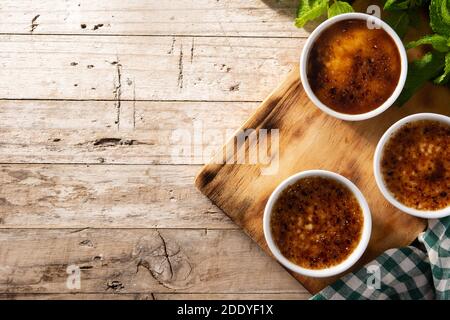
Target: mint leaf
x,y
399,21
419,72
310,10
443,78
401,13
440,17
419,3
404,4
440,43
339,7
397,5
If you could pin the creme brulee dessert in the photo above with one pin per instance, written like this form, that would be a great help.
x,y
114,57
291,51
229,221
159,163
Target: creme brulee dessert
x,y
316,222
353,69
415,165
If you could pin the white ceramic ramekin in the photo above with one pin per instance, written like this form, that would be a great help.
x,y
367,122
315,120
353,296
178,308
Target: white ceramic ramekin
x,y
304,66
377,166
352,258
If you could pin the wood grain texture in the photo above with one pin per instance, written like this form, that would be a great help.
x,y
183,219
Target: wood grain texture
x,y
79,196
143,68
239,18
45,131
138,261
155,296
310,139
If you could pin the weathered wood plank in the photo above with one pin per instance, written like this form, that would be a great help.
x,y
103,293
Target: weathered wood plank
x,y
143,68
88,132
81,196
151,17
148,132
155,296
138,261
234,296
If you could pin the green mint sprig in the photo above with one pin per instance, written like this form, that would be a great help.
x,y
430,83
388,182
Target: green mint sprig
x,y
309,10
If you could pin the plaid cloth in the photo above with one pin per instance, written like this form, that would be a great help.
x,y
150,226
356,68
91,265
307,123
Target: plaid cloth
x,y
404,273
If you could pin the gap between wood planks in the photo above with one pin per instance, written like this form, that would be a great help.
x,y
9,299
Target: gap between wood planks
x,y
267,295
76,230
150,35
129,100
157,292
99,164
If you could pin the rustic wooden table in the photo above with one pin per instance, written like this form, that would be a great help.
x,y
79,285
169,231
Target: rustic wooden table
x,y
101,105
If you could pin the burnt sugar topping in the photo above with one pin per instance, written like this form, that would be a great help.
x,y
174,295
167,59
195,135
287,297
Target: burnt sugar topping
x,y
353,69
415,165
316,222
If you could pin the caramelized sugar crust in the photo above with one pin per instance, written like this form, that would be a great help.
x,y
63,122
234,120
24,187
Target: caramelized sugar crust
x,y
415,165
317,222
353,69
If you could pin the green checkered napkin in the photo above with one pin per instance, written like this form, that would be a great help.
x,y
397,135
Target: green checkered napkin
x,y
404,273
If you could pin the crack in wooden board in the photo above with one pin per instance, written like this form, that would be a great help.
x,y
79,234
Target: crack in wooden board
x,y
310,139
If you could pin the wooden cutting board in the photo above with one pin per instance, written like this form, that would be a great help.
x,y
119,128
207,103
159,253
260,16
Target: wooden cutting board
x,y
310,139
